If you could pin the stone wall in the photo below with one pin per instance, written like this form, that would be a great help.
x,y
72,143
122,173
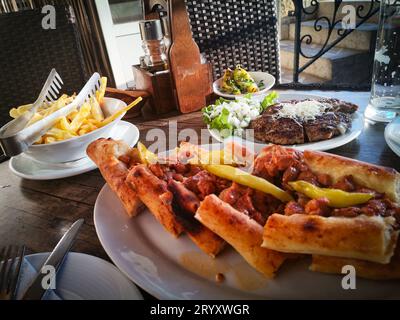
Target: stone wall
x,y
286,6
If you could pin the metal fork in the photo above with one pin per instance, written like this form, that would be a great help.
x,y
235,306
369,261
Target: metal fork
x,y
10,270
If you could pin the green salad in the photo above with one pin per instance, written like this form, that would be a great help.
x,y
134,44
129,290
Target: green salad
x,y
232,117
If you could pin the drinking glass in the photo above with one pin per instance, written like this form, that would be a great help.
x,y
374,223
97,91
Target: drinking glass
x,y
385,92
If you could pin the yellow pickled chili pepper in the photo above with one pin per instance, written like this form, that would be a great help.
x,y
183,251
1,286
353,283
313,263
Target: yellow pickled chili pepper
x,y
228,76
246,179
337,198
241,74
252,87
228,84
231,88
146,156
244,80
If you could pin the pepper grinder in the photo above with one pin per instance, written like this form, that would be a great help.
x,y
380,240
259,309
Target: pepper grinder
x,y
155,58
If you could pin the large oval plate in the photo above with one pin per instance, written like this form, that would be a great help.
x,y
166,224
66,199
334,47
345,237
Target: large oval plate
x,y
170,268
352,134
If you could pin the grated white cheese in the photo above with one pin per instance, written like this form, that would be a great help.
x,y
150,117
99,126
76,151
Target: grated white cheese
x,y
302,110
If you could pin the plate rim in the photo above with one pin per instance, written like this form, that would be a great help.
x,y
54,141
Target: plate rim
x,y
104,189
148,286
218,92
60,173
389,141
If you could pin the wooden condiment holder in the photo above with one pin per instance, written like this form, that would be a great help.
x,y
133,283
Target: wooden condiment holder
x,y
192,79
128,96
188,82
159,86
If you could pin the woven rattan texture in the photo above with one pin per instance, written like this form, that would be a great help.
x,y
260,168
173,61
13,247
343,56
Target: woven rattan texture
x,y
28,53
235,32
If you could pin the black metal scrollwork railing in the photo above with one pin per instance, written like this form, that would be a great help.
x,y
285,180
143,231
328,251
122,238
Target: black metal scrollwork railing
x,y
334,24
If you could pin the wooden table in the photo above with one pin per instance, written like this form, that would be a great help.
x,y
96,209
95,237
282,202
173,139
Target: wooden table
x,y
37,213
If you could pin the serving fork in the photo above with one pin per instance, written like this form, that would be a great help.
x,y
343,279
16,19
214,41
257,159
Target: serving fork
x,y
11,259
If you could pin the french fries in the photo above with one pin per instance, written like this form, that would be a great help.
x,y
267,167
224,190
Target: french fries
x,y
86,119
82,114
16,112
96,112
120,112
100,94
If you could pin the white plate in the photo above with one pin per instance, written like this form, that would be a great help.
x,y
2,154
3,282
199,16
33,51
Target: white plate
x,y
268,79
170,268
83,277
352,134
27,168
392,135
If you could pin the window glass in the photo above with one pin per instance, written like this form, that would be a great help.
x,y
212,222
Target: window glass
x,y
124,11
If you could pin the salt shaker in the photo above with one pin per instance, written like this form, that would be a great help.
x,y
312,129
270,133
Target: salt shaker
x,y
155,58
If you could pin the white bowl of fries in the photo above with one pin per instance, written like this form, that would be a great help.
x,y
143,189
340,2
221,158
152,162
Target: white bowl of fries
x,y
66,144
69,137
67,140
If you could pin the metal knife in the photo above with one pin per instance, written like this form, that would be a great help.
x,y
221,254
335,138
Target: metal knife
x,y
56,259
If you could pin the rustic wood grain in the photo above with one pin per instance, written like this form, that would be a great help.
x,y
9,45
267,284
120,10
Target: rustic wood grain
x,y
159,86
37,213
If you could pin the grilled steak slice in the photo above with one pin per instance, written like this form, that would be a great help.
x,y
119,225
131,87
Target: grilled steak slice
x,y
327,126
336,120
283,131
340,106
322,128
345,119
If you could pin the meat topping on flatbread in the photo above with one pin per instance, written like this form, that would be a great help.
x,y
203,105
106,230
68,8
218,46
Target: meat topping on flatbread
x,y
188,184
255,204
283,166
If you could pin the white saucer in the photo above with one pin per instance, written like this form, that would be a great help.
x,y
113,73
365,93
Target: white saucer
x,y
392,135
82,277
27,168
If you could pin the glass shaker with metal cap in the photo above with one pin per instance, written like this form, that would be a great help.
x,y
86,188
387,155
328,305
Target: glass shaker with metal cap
x,y
155,58
165,27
